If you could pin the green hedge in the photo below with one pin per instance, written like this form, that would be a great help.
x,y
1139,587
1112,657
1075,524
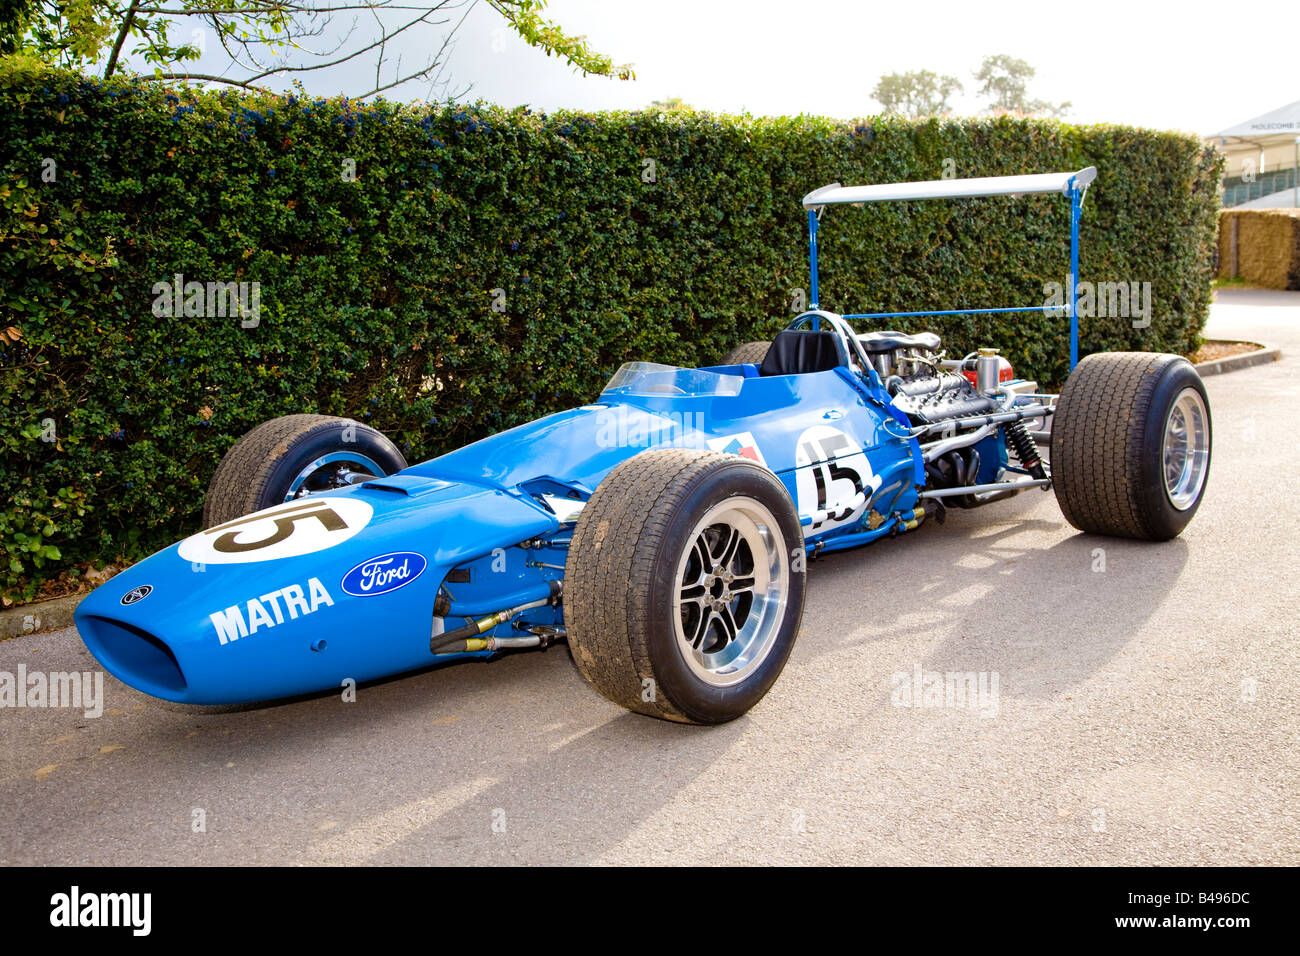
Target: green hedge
x,y
377,291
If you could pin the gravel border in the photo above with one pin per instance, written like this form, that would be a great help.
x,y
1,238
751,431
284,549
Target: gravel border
x,y
1233,363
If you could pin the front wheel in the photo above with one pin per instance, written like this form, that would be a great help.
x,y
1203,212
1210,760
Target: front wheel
x,y
1131,443
684,586
294,456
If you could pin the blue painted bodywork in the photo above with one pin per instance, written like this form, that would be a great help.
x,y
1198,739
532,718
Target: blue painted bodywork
x,y
472,511
485,528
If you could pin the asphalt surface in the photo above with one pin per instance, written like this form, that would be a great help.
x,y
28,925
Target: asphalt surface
x,y
1145,714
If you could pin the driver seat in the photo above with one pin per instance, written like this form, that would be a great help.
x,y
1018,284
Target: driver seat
x,y
798,351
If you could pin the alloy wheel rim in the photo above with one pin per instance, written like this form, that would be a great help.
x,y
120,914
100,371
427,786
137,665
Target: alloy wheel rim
x,y
340,469
1185,450
732,589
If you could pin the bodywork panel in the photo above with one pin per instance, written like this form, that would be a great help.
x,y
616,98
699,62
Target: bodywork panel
x,y
342,586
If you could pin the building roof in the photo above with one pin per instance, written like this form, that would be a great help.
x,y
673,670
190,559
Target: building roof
x,y
1283,121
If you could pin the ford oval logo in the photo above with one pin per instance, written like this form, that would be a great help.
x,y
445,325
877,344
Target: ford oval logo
x,y
384,574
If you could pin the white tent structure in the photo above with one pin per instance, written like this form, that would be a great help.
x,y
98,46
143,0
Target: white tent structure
x,y
1263,159
1283,121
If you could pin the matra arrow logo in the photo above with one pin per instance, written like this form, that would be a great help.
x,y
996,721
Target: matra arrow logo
x,y
742,444
136,595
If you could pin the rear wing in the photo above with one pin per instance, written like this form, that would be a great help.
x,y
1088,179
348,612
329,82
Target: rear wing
x,y
1072,185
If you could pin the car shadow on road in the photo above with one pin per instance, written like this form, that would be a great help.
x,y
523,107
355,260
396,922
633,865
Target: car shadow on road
x,y
419,769
1045,620
423,767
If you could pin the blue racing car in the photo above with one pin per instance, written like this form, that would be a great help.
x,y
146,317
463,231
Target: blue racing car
x,y
662,531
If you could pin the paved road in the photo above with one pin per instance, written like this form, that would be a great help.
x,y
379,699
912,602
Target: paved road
x,y
1145,714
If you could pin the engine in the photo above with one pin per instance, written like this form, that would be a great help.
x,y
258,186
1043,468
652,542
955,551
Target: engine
x,y
921,383
931,390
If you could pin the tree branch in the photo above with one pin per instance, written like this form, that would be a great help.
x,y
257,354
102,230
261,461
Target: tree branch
x,y
121,38
384,38
279,7
206,77
422,73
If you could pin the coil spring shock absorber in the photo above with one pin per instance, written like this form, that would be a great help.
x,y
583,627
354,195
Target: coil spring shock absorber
x,y
1018,438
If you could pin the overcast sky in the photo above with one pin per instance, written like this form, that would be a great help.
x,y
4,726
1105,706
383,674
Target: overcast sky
x,y
1161,65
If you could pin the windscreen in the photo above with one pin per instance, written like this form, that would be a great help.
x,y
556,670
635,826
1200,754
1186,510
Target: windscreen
x,y
650,378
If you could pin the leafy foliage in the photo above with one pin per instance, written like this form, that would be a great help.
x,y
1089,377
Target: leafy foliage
x,y
917,94
263,39
79,34
445,273
525,18
1004,82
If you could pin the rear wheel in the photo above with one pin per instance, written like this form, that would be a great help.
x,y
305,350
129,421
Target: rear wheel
x,y
685,584
294,456
1131,445
747,354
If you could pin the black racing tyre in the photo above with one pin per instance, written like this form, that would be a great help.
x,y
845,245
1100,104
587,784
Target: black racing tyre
x,y
684,586
1131,444
294,455
750,352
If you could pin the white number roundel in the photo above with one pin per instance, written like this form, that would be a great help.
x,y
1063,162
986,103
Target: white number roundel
x,y
308,524
833,480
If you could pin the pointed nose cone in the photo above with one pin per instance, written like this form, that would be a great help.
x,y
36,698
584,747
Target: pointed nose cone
x,y
299,597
